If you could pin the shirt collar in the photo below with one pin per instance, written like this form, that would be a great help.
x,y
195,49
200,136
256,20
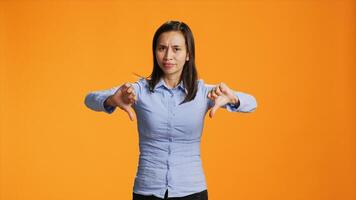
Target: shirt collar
x,y
161,83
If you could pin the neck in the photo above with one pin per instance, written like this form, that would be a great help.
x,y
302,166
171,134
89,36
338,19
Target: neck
x,y
171,81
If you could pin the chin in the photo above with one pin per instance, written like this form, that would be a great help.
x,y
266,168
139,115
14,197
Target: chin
x,y
165,72
168,70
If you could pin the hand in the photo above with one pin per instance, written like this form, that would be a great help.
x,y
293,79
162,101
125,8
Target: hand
x,y
221,95
123,98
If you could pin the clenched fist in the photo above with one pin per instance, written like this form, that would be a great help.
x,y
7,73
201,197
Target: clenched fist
x,y
221,95
123,98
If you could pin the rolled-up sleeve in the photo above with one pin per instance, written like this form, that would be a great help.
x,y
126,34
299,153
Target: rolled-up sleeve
x,y
247,103
95,100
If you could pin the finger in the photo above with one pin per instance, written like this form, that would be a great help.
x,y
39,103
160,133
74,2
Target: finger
x,y
125,86
222,87
125,96
218,91
214,95
128,98
129,112
210,96
132,101
130,90
213,110
132,97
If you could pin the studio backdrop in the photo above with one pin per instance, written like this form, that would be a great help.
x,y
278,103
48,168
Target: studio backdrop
x,y
296,57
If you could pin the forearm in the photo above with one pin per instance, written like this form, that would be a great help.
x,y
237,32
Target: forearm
x,y
99,100
109,102
246,103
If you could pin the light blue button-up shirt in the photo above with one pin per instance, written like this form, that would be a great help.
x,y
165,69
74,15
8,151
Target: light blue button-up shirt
x,y
169,135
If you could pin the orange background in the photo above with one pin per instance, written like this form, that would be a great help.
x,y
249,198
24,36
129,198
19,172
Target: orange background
x,y
296,57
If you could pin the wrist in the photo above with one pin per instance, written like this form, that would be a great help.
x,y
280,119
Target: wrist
x,y
235,103
109,102
234,100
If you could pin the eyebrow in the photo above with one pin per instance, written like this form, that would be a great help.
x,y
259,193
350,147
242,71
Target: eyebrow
x,y
166,46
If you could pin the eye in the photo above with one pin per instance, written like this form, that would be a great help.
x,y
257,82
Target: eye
x,y
161,48
177,49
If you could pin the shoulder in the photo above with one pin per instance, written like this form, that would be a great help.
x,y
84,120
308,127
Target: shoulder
x,y
200,81
141,82
203,85
140,85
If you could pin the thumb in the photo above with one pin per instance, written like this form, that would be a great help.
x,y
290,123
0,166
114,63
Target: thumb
x,y
129,112
213,110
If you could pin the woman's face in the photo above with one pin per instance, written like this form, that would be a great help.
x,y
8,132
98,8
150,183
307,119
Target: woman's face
x,y
171,53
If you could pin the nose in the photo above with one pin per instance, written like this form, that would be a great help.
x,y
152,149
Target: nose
x,y
168,54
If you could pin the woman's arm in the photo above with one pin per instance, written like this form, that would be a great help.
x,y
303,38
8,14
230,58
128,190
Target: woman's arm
x,y
95,100
123,96
247,103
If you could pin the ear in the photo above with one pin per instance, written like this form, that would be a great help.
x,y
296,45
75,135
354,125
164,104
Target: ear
x,y
187,57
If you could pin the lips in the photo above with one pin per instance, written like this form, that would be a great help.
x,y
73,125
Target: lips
x,y
168,65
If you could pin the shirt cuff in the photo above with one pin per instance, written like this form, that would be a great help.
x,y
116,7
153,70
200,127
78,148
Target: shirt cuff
x,y
107,109
233,107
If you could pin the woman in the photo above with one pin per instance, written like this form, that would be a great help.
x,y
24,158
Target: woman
x,y
170,107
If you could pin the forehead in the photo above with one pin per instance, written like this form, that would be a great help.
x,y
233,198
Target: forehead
x,y
171,38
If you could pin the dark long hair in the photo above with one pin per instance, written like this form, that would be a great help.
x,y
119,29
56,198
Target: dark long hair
x,y
189,74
